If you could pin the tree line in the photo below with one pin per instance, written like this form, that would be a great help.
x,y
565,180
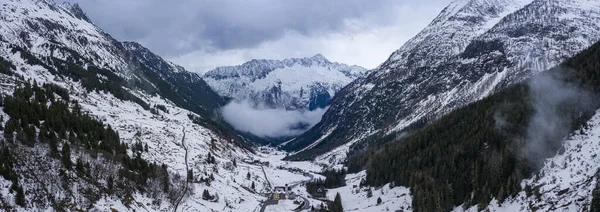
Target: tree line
x,y
333,179
464,157
46,115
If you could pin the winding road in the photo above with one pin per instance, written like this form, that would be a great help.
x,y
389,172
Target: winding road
x,y
306,205
268,202
186,171
267,179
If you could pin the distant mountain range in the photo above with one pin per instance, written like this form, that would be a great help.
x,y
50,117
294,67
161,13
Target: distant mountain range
x,y
291,84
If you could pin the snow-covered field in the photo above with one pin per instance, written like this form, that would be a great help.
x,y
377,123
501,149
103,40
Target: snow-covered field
x,y
286,205
354,198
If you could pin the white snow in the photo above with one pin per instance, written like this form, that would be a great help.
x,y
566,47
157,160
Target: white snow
x,y
295,79
566,180
354,198
574,169
31,17
287,205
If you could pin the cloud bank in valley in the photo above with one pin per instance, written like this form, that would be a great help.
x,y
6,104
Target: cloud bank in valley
x,y
269,122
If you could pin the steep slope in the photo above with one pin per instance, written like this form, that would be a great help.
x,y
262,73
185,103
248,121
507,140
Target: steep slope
x,y
472,49
65,32
53,30
152,123
173,82
292,84
497,148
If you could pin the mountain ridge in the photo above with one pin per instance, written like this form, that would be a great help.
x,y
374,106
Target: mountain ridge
x,y
292,84
450,64
139,104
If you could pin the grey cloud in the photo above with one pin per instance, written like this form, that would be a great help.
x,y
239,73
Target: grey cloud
x,y
179,27
554,101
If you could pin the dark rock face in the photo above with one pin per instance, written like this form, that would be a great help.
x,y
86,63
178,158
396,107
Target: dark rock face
x,y
184,88
319,98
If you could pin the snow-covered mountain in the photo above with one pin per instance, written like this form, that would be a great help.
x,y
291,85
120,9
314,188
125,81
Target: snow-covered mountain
x,y
161,114
472,49
292,84
49,29
186,89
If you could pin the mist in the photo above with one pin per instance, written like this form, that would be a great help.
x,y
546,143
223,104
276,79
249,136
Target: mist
x,y
268,122
556,104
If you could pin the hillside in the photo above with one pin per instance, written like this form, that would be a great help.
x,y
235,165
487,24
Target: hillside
x,y
490,149
471,50
90,123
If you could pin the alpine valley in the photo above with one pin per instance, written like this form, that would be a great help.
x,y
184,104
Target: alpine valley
x,y
493,106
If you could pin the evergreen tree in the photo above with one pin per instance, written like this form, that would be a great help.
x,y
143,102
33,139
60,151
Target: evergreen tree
x,y
52,143
595,206
9,129
34,107
336,205
20,196
252,186
206,195
248,176
165,179
465,157
369,193
335,178
379,200
110,183
210,158
66,156
190,175
79,166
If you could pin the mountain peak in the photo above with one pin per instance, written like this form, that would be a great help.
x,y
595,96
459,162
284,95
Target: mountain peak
x,y
319,57
299,82
76,11
472,49
148,56
132,45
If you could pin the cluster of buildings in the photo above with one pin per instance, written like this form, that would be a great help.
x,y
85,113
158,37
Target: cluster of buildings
x,y
281,193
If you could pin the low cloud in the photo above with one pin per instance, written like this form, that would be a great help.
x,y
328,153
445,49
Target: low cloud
x,y
556,104
269,122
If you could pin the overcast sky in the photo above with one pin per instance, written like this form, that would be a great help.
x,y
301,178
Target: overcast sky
x,y
203,34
